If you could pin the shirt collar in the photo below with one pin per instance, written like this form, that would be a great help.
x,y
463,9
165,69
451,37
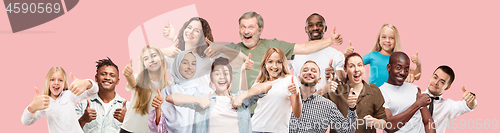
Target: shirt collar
x,y
117,98
440,97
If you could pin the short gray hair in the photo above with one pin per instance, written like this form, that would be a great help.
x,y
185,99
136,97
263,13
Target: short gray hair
x,y
251,14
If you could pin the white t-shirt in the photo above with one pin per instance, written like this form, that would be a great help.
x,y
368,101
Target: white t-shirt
x,y
400,98
322,58
274,109
133,120
445,110
223,119
107,106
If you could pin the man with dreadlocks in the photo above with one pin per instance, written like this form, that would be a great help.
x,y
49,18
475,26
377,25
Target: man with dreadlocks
x,y
107,109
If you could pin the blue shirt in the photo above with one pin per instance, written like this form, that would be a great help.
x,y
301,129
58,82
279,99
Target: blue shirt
x,y
105,121
202,116
378,67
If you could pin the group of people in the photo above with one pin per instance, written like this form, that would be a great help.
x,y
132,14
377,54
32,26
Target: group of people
x,y
325,91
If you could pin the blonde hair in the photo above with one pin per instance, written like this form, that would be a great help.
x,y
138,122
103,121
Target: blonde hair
x,y
397,42
263,75
46,87
144,87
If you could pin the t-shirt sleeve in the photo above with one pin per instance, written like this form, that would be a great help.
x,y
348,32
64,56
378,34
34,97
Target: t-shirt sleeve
x,y
379,109
339,61
286,47
367,59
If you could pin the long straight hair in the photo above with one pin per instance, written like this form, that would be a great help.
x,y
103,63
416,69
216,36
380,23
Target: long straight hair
x,y
264,75
397,47
145,87
46,87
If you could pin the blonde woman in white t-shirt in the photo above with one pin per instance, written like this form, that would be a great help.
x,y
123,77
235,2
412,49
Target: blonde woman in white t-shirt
x,y
281,95
143,85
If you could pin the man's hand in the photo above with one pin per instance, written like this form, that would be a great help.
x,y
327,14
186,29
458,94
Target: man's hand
x,y
40,102
120,112
422,99
336,38
89,115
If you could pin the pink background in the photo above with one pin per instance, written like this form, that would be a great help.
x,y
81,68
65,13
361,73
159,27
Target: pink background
x,y
459,34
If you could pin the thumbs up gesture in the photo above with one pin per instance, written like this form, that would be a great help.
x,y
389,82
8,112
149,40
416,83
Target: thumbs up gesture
x,y
292,87
336,38
171,51
469,97
329,71
412,76
352,99
78,86
169,31
248,63
40,102
89,115
128,73
422,99
119,113
158,100
204,102
414,59
349,49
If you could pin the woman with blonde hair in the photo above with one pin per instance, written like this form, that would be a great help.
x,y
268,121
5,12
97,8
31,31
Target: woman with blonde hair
x,y
273,110
388,41
57,102
144,87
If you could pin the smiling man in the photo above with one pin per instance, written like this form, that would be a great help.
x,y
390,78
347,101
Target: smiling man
x,y
106,111
251,26
319,112
405,106
444,110
328,59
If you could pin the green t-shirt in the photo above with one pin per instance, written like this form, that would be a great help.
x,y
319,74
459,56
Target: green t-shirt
x,y
257,55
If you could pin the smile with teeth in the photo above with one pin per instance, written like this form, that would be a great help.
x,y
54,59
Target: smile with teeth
x,y
189,36
152,65
222,83
357,75
189,72
107,83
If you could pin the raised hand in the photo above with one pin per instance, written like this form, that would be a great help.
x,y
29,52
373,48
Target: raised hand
x,y
248,63
468,96
292,88
169,31
158,100
236,101
128,73
171,51
412,76
329,71
414,59
336,38
204,102
89,115
78,86
422,99
349,49
119,113
40,102
352,99
369,120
